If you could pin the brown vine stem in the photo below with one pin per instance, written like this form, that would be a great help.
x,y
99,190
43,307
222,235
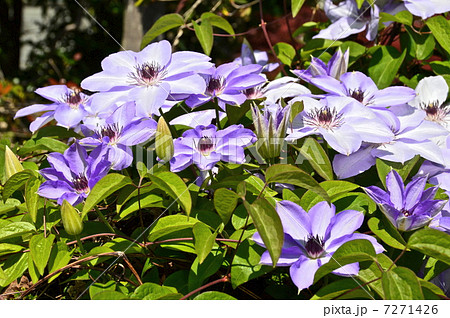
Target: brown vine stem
x,y
224,279
130,266
396,260
187,239
266,36
86,259
357,287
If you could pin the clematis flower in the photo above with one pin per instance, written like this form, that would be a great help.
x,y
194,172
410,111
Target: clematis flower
x,y
68,107
427,8
120,131
412,136
360,87
73,174
431,93
337,66
150,77
205,146
347,19
343,123
407,208
310,239
441,221
226,83
250,56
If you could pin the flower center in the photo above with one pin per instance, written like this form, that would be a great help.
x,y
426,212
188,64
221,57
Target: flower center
x,y
148,74
112,131
405,212
253,92
215,86
80,184
314,246
73,99
205,146
435,112
357,94
324,117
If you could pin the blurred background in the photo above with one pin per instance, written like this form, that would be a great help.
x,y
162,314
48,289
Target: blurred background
x,y
47,42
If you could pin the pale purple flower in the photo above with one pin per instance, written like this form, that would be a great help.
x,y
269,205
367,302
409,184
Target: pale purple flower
x,y
343,123
335,67
360,87
226,83
197,118
205,146
427,8
68,107
73,174
120,131
431,94
250,56
443,281
412,136
407,208
441,221
150,77
310,239
347,19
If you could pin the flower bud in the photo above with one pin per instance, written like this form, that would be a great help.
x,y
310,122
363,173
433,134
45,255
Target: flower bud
x,y
12,164
163,141
71,219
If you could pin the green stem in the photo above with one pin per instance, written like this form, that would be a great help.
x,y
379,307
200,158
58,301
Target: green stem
x,y
80,245
103,219
217,117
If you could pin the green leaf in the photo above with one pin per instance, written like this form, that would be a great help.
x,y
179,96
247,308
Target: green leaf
x,y
170,224
72,221
203,240
40,248
12,164
174,186
421,45
296,109
401,283
217,21
31,197
285,52
147,200
6,248
103,188
214,295
440,28
269,226
246,264
289,174
440,67
317,157
9,205
15,182
349,252
384,65
337,288
13,268
96,288
204,34
15,229
163,24
225,202
386,232
59,257
44,143
384,167
296,6
32,270
356,50
200,272
150,291
109,295
403,17
431,242
359,3
373,274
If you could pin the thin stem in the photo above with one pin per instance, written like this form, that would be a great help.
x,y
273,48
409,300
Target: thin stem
x,y
125,258
396,260
224,279
80,245
238,243
103,219
188,239
217,117
357,287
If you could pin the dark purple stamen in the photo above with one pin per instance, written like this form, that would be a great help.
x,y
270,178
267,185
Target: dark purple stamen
x,y
357,94
435,112
205,146
314,246
80,184
324,117
405,212
73,99
215,85
111,131
147,74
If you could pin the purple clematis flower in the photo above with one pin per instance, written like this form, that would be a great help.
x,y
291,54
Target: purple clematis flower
x,y
250,56
427,8
310,239
347,19
150,77
412,136
431,95
226,83
205,146
73,174
408,208
343,123
68,107
360,87
441,221
120,131
337,66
